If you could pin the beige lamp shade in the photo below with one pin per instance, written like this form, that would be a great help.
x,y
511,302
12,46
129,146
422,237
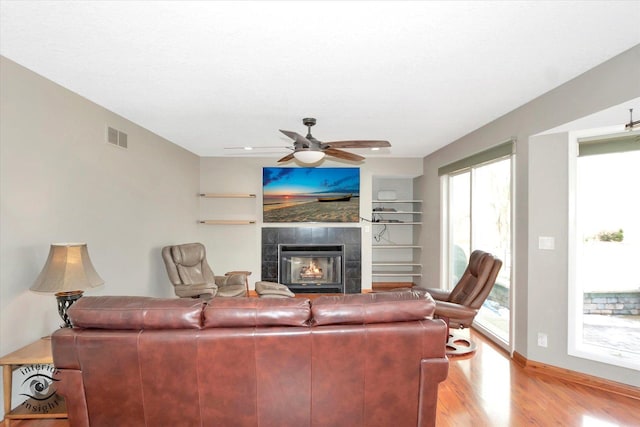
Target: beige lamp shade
x,y
68,268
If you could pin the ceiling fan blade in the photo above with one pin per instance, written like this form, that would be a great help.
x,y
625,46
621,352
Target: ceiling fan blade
x,y
343,154
286,158
297,138
356,144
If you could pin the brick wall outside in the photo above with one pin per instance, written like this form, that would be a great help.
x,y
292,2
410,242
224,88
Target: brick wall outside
x,y
612,303
609,303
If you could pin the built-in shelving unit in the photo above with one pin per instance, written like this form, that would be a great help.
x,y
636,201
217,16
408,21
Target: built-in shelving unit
x,y
228,196
395,234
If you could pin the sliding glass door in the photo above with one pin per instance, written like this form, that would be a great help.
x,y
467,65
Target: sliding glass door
x,y
479,217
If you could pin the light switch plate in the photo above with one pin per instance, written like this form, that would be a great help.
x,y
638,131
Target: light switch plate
x,y
546,243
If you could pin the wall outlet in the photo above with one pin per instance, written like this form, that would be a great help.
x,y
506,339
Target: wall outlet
x,y
542,340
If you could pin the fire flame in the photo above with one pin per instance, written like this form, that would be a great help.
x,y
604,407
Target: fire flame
x,y
311,271
313,268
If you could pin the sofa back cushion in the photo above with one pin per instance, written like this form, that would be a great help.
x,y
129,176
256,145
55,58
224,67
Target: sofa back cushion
x,y
130,312
250,312
134,313
401,306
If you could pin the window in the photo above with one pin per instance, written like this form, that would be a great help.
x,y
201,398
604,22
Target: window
x,y
605,289
478,216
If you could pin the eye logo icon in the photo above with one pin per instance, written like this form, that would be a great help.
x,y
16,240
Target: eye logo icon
x,y
38,385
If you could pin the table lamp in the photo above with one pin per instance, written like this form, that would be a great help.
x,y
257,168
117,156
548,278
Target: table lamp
x,y
67,272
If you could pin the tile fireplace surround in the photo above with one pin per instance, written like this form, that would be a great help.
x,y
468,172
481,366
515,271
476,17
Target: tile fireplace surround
x,y
348,236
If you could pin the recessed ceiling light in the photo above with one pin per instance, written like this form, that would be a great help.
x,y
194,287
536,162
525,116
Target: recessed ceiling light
x,y
248,148
375,148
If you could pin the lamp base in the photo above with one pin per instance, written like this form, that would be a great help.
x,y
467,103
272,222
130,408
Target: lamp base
x,y
65,300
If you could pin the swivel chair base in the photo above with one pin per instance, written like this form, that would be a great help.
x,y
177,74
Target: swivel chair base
x,y
459,343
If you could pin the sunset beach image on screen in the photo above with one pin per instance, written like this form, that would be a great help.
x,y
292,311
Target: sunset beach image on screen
x,y
310,194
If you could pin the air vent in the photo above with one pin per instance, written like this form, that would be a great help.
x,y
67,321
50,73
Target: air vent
x,y
116,137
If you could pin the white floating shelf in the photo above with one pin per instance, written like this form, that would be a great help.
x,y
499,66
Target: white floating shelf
x,y
227,221
396,274
397,201
396,247
227,195
395,223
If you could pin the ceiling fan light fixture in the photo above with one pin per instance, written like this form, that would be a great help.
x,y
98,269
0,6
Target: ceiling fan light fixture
x,y
309,156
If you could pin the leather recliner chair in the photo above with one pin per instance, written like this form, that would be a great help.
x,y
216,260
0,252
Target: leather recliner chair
x,y
460,305
192,277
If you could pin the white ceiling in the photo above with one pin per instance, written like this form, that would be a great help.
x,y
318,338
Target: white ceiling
x,y
208,75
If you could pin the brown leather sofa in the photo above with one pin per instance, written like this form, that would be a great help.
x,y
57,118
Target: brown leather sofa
x,y
354,360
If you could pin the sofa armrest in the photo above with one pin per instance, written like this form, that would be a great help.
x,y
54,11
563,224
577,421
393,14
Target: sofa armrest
x,y
232,285
432,372
69,383
231,279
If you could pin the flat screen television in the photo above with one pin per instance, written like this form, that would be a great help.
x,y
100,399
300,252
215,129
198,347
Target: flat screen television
x,y
310,194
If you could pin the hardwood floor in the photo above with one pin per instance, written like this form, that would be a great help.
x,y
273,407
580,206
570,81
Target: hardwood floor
x,y
488,389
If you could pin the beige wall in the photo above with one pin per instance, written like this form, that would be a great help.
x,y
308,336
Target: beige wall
x,y
541,307
61,182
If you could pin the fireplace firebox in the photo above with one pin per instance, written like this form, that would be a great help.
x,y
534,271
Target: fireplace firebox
x,y
312,268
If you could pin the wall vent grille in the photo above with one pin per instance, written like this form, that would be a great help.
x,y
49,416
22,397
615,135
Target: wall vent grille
x,y
116,137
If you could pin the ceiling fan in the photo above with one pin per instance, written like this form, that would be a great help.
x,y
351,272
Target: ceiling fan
x,y
307,149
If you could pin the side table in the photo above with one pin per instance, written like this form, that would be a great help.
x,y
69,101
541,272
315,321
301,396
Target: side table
x,y
36,353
